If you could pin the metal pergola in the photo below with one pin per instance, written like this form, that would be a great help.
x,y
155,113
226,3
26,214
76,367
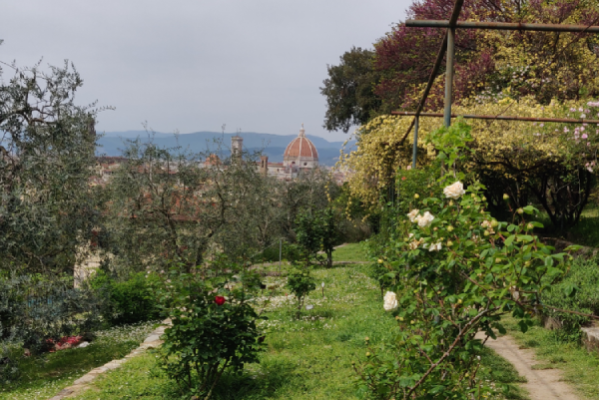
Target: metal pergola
x,y
448,46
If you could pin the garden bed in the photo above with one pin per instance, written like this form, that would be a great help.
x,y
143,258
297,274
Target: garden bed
x,y
43,377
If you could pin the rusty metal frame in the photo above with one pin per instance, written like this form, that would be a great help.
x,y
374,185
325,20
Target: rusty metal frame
x,y
453,20
502,26
449,45
501,118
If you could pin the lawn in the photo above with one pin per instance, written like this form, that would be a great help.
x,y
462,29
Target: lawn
x,y
305,359
43,377
351,252
585,232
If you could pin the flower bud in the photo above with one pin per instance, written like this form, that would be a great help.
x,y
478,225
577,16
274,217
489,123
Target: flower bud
x,y
527,264
367,354
486,233
506,196
416,196
380,261
450,228
494,223
498,260
449,243
530,226
520,211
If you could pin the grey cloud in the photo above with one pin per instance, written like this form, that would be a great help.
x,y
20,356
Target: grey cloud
x,y
194,65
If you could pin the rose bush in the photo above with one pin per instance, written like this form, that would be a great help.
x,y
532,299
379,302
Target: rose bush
x,y
454,275
213,327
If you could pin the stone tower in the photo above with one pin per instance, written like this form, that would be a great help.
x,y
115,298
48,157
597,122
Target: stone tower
x,y
236,146
264,165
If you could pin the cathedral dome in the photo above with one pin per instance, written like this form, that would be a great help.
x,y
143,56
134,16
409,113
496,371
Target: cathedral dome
x,y
301,152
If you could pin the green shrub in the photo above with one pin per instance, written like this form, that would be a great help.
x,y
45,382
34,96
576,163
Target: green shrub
x,y
130,301
213,330
289,252
380,273
578,291
300,283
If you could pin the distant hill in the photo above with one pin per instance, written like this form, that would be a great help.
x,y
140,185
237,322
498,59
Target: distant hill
x,y
112,143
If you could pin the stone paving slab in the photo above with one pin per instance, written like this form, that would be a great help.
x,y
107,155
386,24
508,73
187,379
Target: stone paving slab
x,y
152,341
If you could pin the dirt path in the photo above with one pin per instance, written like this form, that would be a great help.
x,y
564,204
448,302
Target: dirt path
x,y
542,384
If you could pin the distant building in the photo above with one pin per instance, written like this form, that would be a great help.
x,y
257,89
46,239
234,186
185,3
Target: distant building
x,y
236,146
300,153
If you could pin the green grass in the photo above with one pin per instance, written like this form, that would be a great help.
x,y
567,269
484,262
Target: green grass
x,y
585,233
351,252
580,368
503,374
305,359
43,377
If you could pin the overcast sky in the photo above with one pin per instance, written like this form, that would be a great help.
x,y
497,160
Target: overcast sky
x,y
254,65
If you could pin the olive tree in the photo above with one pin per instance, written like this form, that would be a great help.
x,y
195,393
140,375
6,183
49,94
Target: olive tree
x,y
168,205
47,149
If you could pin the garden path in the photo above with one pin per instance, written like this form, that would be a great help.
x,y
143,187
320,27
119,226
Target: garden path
x,y
543,384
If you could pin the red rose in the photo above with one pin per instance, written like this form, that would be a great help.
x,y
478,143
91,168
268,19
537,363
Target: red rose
x,y
220,300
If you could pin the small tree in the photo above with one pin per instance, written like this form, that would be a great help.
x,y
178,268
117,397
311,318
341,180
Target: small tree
x,y
318,231
300,282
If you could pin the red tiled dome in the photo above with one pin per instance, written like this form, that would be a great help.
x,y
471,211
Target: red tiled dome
x,y
301,149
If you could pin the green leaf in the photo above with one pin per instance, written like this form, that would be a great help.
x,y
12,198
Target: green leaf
x,y
530,210
509,240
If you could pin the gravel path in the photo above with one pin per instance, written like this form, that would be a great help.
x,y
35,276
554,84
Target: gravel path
x,y
545,384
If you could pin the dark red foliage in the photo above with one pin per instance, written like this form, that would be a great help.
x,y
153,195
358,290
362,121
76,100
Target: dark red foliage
x,y
405,56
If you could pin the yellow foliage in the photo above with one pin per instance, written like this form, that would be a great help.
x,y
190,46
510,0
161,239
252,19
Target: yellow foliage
x,y
506,146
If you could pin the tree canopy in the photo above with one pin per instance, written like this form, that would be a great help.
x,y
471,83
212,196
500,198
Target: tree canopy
x,y
546,65
47,157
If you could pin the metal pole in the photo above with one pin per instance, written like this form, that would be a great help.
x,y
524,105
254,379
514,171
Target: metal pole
x,y
449,75
414,154
455,14
280,254
503,26
501,118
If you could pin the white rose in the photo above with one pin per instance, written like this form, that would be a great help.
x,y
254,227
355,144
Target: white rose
x,y
454,191
436,247
390,301
413,215
425,220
